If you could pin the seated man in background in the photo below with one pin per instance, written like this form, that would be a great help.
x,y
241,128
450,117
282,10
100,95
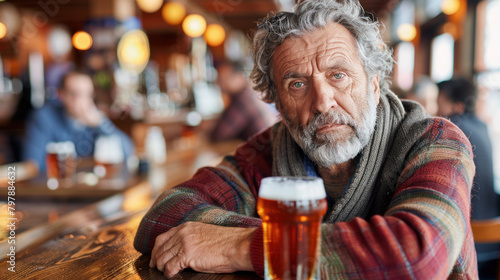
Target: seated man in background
x,y
245,115
72,117
457,101
397,181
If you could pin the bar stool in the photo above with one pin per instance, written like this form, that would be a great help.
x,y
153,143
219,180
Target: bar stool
x,y
487,231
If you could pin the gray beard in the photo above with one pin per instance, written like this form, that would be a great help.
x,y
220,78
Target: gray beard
x,y
327,149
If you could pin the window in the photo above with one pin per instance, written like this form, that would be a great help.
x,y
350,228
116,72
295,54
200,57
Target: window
x,y
405,58
492,36
404,13
487,65
432,8
442,57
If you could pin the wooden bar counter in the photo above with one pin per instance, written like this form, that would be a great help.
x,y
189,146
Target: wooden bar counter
x,y
96,241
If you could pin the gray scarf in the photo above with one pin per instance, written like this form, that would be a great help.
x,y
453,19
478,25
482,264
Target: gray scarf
x,y
382,160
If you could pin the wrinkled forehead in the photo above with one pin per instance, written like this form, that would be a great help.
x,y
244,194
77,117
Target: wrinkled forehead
x,y
333,41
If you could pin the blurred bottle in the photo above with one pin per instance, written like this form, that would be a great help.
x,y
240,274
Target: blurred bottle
x,y
156,155
156,150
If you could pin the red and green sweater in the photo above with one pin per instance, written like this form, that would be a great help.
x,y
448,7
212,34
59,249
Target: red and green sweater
x,y
423,234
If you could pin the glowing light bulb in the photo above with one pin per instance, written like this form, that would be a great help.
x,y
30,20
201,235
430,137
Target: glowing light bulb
x,y
133,51
82,40
407,32
173,13
214,35
449,7
3,30
194,25
149,6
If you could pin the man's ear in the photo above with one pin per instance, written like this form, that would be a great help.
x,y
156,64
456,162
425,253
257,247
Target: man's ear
x,y
376,89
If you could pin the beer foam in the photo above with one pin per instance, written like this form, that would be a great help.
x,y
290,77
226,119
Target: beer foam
x,y
60,147
292,188
108,149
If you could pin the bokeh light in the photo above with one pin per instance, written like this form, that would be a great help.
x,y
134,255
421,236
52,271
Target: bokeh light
x,y
82,40
194,25
215,35
11,18
3,30
133,51
407,32
149,6
59,41
449,7
173,13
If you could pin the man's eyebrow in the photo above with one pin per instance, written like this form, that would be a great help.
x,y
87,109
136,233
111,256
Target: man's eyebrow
x,y
292,75
339,64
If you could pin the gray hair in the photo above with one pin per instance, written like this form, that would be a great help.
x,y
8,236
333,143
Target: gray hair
x,y
310,15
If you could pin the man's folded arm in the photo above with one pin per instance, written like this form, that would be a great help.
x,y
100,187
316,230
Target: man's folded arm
x,y
215,195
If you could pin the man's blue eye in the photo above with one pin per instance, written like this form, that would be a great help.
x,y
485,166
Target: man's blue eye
x,y
298,84
338,76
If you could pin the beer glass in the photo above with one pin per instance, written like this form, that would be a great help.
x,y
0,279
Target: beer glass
x,y
61,163
291,209
108,156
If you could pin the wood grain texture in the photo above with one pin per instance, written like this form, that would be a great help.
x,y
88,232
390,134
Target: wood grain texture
x,y
96,242
97,251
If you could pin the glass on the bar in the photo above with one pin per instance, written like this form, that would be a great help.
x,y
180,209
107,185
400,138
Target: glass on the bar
x,y
291,209
60,164
108,156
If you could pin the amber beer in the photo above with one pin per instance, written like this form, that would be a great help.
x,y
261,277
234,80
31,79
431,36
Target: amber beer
x,y
60,161
291,209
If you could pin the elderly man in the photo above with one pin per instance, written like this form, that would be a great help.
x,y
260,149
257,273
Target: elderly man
x,y
72,117
398,182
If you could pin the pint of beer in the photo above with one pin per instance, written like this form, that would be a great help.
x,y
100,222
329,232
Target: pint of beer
x,y
61,163
108,156
291,209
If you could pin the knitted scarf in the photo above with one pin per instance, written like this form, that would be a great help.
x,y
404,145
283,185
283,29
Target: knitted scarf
x,y
381,161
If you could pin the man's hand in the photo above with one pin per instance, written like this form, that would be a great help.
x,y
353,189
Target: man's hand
x,y
89,115
204,248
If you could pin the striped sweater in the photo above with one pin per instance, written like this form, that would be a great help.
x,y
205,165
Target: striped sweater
x,y
424,233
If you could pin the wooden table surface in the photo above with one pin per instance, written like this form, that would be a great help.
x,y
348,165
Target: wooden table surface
x,y
96,241
102,188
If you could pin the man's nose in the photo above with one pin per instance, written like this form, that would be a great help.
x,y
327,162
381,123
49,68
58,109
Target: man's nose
x,y
323,96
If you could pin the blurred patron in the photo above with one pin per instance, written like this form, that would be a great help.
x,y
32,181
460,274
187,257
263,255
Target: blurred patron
x,y
457,100
425,92
245,115
73,116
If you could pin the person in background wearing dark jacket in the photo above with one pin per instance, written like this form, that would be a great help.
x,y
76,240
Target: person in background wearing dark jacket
x,y
456,101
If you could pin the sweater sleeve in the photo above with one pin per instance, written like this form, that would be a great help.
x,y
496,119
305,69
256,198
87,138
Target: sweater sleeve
x,y
215,195
426,230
